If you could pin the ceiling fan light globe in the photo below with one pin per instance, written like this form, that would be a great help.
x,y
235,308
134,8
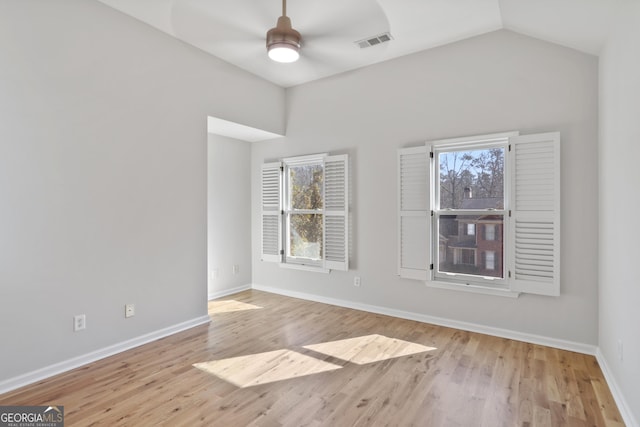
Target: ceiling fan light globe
x,y
283,52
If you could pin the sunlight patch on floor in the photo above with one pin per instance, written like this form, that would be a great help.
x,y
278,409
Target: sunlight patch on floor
x,y
368,349
279,365
229,305
264,368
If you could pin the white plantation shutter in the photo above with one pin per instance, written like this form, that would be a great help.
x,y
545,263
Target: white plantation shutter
x,y
535,223
336,212
271,212
414,255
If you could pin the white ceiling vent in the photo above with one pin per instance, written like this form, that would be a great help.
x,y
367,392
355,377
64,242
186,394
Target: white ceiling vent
x,y
374,40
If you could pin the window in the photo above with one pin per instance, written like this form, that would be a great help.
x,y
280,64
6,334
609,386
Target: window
x,y
482,211
490,260
469,190
490,232
464,256
304,212
471,230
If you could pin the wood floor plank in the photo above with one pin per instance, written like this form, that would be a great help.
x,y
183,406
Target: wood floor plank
x,y
384,372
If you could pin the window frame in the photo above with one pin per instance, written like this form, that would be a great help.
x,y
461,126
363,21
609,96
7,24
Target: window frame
x,y
289,211
438,148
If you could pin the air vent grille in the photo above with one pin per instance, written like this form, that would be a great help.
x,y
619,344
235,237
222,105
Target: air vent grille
x,y
374,40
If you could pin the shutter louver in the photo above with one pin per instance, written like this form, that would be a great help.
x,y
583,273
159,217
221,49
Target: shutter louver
x,y
413,217
271,212
535,226
336,212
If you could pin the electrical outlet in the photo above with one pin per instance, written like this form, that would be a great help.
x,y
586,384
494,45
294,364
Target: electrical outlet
x,y
79,322
129,310
236,269
356,281
215,273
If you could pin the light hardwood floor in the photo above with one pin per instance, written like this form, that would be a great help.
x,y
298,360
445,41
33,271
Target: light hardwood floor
x,y
269,360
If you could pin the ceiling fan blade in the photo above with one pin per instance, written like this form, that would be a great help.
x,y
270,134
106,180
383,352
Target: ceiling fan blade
x,y
210,21
350,20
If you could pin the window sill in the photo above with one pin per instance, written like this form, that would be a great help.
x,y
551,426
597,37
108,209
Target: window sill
x,y
476,289
304,267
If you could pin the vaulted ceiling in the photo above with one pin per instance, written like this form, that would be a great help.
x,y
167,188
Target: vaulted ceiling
x,y
234,30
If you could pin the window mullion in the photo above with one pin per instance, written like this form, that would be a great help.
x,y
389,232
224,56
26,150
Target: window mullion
x,y
470,211
305,211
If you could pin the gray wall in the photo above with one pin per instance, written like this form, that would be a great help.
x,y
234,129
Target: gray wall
x,y
496,82
229,201
620,204
103,176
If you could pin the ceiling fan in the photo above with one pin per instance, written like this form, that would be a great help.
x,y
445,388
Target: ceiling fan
x,y
326,31
283,42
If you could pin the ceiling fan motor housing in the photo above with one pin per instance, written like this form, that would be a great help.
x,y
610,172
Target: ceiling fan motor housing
x,y
283,35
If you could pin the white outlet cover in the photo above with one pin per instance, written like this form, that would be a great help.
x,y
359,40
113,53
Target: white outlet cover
x,y
129,310
79,322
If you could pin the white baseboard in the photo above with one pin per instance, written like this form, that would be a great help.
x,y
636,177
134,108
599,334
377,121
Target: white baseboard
x,y
225,292
67,365
624,408
465,326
